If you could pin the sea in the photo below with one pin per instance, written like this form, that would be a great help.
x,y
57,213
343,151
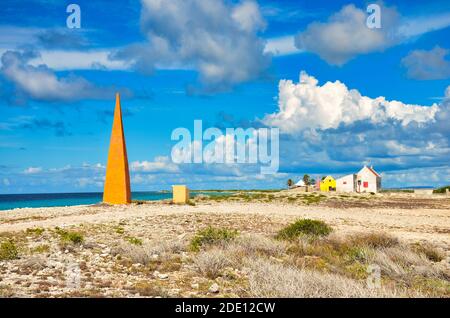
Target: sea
x,y
14,201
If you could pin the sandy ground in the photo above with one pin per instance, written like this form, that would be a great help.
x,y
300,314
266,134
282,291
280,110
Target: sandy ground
x,y
411,225
48,267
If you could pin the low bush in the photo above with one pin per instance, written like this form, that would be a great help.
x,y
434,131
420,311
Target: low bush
x,y
134,241
210,236
8,251
307,227
441,190
70,237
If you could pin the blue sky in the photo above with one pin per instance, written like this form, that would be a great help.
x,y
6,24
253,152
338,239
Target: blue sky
x,y
342,95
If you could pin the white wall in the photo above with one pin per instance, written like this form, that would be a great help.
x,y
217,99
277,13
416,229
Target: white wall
x,y
345,184
365,175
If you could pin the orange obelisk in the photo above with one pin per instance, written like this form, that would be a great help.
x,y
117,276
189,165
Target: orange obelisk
x,y
117,183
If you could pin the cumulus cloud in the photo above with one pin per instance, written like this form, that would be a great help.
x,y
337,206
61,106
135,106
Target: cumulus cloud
x,y
346,35
427,65
308,105
216,38
159,165
41,83
332,129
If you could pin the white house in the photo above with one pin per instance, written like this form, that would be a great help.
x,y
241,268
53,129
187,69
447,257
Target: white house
x,y
346,183
301,183
368,180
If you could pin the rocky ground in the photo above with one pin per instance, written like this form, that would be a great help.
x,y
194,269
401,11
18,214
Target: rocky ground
x,y
144,250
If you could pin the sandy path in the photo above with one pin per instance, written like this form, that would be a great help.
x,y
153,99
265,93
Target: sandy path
x,y
432,225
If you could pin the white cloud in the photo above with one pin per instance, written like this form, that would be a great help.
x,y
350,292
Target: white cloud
x,y
32,170
345,34
282,46
309,105
216,38
6,182
160,164
419,25
41,83
60,60
248,16
427,65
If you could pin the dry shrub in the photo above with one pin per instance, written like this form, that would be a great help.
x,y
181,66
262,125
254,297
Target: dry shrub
x,y
163,248
144,254
373,240
253,245
268,279
429,251
211,263
402,263
35,262
135,253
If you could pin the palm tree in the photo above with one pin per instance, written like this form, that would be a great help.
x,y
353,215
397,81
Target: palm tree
x,y
307,179
290,183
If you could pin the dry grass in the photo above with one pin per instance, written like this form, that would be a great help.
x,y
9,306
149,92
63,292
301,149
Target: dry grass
x,y
149,289
6,291
268,279
212,262
403,264
252,244
147,253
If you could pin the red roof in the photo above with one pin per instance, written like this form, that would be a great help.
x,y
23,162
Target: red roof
x,y
373,171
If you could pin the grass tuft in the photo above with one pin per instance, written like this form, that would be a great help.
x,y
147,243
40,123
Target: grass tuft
x,y
134,241
35,231
70,237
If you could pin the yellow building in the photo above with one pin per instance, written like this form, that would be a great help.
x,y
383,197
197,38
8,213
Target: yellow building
x,y
328,184
180,194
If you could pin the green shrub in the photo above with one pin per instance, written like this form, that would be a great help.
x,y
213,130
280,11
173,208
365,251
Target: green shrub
x,y
119,230
441,190
304,227
70,237
134,241
8,251
44,248
35,230
210,236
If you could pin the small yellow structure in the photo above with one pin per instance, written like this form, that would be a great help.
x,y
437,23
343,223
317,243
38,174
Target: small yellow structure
x,y
328,184
117,182
180,194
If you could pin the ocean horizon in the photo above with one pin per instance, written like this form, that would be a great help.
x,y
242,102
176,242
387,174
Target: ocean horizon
x,y
45,200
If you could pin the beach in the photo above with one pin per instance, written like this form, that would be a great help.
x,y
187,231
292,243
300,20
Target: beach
x,y
410,218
